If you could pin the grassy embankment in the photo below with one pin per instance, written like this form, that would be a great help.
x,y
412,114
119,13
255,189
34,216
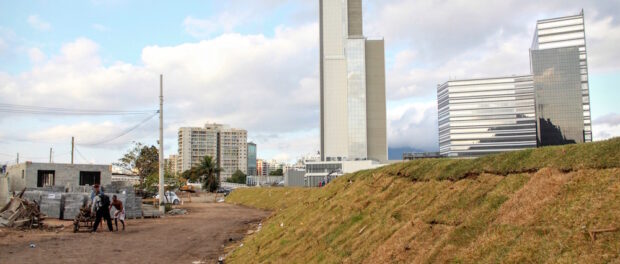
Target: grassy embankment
x,y
531,206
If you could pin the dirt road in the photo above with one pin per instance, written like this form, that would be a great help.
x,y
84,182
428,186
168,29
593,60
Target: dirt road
x,y
198,237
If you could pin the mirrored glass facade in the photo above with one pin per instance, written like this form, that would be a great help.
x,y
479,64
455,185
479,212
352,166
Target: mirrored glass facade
x,y
560,68
485,116
252,170
356,99
549,107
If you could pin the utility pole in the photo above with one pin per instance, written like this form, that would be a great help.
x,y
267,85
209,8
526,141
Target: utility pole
x,y
50,155
162,197
72,148
17,158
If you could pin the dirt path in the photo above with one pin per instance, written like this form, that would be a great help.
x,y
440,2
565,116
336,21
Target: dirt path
x,y
199,236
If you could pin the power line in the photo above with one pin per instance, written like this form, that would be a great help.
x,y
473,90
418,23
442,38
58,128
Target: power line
x,y
124,132
82,155
42,110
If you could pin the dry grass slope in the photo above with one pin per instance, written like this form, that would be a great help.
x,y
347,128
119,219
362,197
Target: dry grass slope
x,y
532,206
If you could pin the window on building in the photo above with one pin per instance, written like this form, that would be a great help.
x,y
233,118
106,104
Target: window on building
x,y
90,177
46,178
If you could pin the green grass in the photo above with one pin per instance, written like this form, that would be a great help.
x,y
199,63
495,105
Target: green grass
x,y
531,206
599,155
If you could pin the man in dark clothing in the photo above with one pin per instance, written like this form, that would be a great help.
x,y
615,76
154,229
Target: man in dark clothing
x,y
101,208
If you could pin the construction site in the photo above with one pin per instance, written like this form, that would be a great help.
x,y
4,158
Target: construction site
x,y
38,226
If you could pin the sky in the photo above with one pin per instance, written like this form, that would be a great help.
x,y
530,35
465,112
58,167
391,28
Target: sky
x,y
254,65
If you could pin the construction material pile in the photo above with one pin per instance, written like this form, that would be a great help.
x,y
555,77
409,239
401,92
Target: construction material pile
x,y
21,213
131,203
72,203
65,203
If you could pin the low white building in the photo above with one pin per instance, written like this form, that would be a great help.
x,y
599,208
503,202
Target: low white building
x,y
127,179
319,171
32,175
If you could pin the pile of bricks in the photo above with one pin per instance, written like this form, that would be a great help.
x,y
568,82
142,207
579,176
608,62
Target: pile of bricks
x,y
56,203
71,204
51,204
131,203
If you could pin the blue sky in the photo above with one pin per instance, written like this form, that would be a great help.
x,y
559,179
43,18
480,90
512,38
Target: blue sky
x,y
254,65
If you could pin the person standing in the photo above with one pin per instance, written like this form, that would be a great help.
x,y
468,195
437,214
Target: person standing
x,y
96,189
119,213
101,207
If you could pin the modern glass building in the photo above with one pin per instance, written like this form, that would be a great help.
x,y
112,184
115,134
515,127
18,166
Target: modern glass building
x,y
549,107
252,170
486,116
353,115
560,68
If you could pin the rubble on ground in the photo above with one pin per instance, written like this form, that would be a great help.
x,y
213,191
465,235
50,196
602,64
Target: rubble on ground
x,y
177,212
20,213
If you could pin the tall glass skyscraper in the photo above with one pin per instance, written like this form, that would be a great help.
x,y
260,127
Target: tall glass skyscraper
x,y
252,170
560,68
353,115
549,107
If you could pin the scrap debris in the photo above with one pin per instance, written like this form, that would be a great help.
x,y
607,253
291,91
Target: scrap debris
x,y
20,213
177,212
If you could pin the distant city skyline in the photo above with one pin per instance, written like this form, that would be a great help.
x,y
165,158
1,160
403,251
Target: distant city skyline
x,y
253,64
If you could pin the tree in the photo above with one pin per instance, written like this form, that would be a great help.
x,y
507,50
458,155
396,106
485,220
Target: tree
x,y
142,160
206,172
237,177
277,172
128,161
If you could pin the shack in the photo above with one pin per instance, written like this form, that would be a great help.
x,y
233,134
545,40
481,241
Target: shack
x,y
33,175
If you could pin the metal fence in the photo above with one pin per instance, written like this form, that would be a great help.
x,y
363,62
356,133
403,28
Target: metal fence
x,y
263,180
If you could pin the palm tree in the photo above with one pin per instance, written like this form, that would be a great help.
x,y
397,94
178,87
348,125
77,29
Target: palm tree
x,y
207,171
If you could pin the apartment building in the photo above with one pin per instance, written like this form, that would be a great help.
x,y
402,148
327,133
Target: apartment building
x,y
228,146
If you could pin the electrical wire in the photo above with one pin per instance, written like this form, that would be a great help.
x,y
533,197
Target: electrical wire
x,y
41,110
124,132
82,155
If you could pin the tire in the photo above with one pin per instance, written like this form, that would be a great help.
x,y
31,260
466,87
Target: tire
x,y
176,202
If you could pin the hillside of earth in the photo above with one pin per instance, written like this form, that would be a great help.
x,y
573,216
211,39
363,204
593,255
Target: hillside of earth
x,y
547,205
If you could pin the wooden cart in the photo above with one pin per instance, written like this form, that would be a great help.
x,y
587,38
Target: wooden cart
x,y
84,220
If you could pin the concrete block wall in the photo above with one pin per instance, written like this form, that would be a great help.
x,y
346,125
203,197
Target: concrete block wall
x,y
25,174
17,179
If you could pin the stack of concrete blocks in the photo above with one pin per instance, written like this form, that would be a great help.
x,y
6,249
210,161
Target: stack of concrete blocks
x,y
51,204
56,203
131,203
72,203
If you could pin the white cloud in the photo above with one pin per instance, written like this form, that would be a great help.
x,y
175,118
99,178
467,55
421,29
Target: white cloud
x,y
204,28
264,84
603,37
413,125
36,55
7,41
101,28
37,23
606,127
89,132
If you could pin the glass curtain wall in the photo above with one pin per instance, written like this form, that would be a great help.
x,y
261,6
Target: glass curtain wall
x,y
485,116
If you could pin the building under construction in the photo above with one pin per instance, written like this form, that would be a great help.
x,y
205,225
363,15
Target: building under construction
x,y
32,175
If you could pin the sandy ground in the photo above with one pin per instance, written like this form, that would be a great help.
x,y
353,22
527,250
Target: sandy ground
x,y
198,237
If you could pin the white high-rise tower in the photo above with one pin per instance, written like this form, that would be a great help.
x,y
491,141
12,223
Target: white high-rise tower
x,y
353,115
